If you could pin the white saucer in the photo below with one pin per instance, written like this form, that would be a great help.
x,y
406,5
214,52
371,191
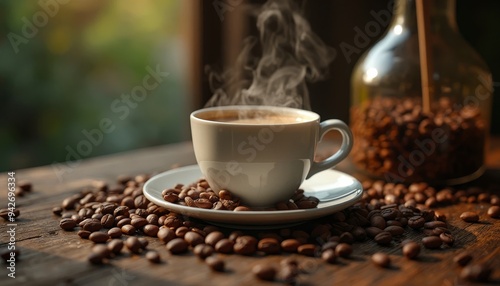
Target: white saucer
x,y
336,191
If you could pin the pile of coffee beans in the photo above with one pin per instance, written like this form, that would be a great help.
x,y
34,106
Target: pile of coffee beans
x,y
200,195
396,140
118,218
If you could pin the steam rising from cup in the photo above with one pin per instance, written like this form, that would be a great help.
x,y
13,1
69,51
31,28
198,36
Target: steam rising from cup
x,y
290,55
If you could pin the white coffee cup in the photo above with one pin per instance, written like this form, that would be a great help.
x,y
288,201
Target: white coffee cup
x,y
262,154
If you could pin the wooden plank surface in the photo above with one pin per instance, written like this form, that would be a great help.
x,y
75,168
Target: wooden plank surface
x,y
51,256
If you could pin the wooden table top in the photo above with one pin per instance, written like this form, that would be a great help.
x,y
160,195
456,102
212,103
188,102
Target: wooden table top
x,y
52,256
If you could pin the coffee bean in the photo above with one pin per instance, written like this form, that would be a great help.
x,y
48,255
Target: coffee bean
x,y
133,244
289,273
411,250
95,258
269,245
329,256
241,209
432,242
115,232
463,258
153,256
245,245
67,224
476,272
395,230
416,222
434,224
306,204
115,246
107,220
389,213
57,211
193,238
447,238
224,245
84,234
139,222
99,237
264,272
151,230
128,229
144,242
290,245
102,250
343,250
215,263
383,238
372,231
381,259
469,217
177,246
346,237
310,249
203,250
123,221
213,237
494,212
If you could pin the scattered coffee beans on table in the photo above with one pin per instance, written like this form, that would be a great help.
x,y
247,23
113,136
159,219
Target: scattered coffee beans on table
x,y
119,218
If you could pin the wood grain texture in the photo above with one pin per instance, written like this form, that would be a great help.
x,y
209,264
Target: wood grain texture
x,y
51,256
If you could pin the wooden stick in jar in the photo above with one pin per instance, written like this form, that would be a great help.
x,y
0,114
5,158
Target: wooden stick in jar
x,y
423,20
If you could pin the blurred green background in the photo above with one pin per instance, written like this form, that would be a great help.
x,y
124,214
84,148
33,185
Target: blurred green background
x,y
61,75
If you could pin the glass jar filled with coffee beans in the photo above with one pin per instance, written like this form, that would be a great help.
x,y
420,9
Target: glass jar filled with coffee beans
x,y
399,135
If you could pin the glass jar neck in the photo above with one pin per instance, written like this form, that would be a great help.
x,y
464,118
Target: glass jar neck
x,y
441,13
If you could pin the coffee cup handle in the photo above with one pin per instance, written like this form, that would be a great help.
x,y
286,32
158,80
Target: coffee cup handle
x,y
341,154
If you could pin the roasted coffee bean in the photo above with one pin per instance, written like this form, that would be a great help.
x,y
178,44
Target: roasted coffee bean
x,y
359,233
177,246
469,217
346,237
92,225
463,258
447,238
411,250
290,245
389,213
269,245
121,210
308,249
56,210
289,273
306,204
381,259
439,230
203,250
102,250
329,256
95,258
133,244
213,237
494,212
372,231
193,238
434,224
115,232
108,220
152,219
476,272
383,238
115,246
242,209
181,231
264,272
416,222
128,229
343,250
153,256
139,222
67,224
395,230
165,234
245,245
123,221
215,263
144,242
151,230
99,237
84,234
432,242
224,245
